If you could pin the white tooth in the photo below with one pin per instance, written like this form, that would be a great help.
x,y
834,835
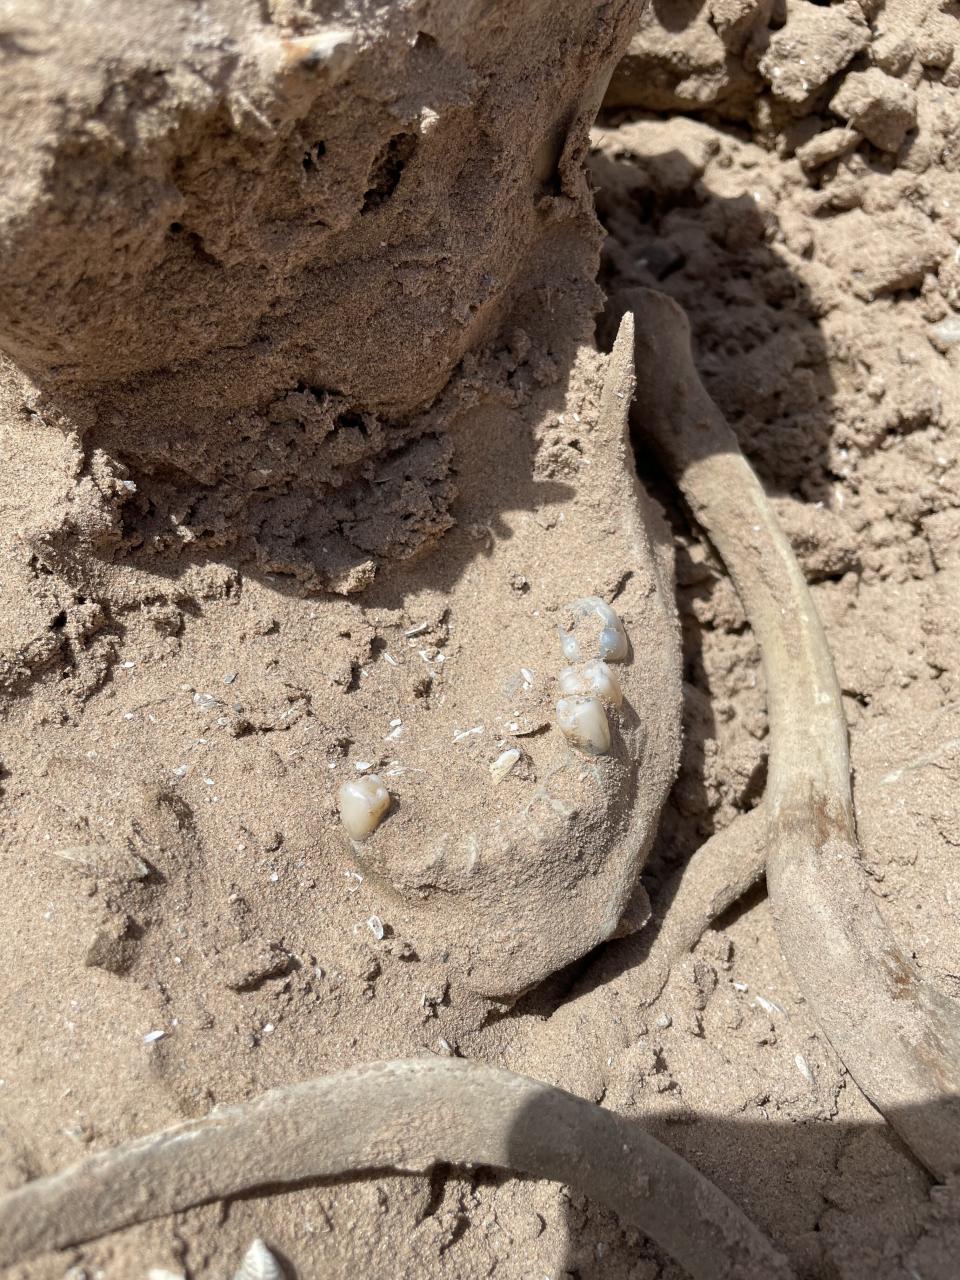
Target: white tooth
x,y
363,805
592,679
583,722
613,643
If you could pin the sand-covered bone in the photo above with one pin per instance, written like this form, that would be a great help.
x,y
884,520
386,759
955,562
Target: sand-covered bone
x,y
896,1033
409,1116
515,892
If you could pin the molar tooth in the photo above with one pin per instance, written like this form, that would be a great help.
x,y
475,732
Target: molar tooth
x,y
583,722
609,642
363,805
613,643
593,679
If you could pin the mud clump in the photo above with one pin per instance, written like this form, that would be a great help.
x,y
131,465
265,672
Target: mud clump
x,y
244,256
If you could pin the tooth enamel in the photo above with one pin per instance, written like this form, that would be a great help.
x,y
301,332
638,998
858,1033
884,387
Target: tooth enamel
x,y
569,645
363,805
583,722
611,641
592,679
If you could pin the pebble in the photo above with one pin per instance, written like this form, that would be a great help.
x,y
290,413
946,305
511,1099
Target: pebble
x,y
946,332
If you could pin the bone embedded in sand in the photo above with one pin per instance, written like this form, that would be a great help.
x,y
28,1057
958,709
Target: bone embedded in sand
x,y
592,679
597,627
583,722
364,803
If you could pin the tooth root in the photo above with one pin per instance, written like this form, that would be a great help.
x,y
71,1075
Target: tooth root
x,y
593,679
364,803
583,722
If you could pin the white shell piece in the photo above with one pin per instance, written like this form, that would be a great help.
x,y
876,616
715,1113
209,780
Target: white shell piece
x,y
583,722
364,803
592,679
258,1264
504,763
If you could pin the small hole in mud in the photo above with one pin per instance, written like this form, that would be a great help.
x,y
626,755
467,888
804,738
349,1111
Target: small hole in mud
x,y
388,169
316,152
175,227
59,622
348,419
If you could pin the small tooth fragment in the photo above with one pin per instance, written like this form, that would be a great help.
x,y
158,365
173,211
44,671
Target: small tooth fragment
x,y
583,722
504,763
592,679
363,805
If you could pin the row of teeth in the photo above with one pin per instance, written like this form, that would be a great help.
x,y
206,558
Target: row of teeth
x,y
588,686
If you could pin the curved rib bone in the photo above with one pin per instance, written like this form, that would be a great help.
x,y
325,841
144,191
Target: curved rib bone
x,y
896,1034
405,1117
